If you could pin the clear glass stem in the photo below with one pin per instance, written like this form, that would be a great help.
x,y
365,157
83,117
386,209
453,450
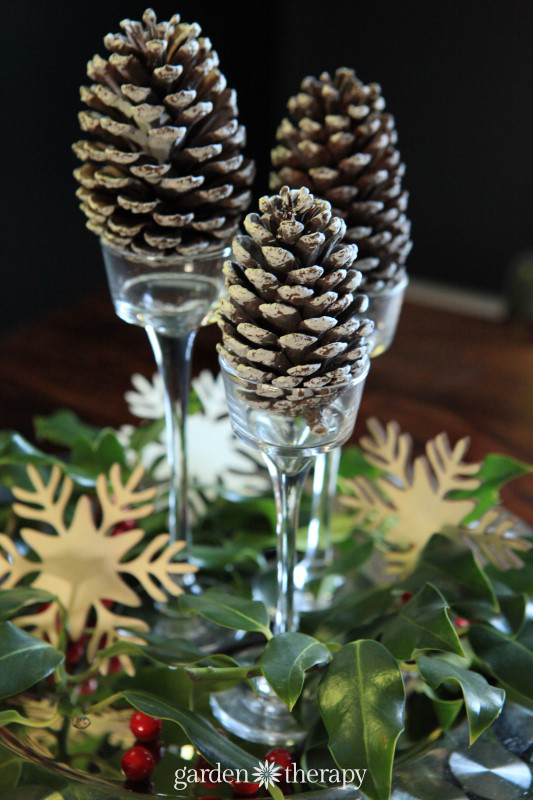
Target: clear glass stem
x,y
288,476
173,358
319,550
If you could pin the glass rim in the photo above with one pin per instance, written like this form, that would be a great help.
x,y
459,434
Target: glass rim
x,y
224,251
248,382
387,292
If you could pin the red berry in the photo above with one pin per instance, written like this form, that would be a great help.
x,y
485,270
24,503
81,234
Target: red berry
x,y
107,603
280,756
406,596
204,765
115,665
137,763
156,750
122,527
75,651
245,789
145,728
461,622
88,687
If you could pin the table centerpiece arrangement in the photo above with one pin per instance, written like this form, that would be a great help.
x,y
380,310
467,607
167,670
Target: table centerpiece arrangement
x,y
136,658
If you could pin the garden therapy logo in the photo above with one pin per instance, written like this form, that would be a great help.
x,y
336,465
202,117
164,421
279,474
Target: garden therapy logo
x,y
268,774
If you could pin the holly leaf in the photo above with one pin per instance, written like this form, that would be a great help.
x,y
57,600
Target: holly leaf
x,y
147,433
451,567
519,580
483,702
14,600
16,454
213,746
362,703
353,464
24,660
513,608
10,769
509,658
421,624
495,471
98,455
286,659
229,611
63,427
357,608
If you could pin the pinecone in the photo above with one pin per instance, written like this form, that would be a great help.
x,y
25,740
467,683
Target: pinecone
x,y
164,171
289,320
338,142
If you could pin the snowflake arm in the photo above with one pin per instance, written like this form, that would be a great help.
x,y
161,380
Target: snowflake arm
x,y
368,503
50,509
388,449
148,566
449,469
120,504
146,400
494,540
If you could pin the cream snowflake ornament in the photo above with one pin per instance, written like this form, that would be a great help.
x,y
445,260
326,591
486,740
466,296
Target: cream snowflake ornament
x,y
411,500
111,724
83,563
216,457
494,539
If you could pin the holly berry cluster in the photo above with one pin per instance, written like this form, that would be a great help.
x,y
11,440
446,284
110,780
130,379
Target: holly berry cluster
x,y
139,761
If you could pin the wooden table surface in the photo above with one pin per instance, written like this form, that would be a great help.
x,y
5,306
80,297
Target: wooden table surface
x,y
445,372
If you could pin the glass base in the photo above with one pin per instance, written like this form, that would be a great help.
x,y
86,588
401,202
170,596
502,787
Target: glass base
x,y
317,592
256,718
193,630
312,592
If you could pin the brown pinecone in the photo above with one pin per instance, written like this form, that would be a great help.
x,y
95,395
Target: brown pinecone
x,y
338,142
163,171
289,321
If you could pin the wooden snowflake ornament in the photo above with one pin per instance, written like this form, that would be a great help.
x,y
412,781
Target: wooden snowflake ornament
x,y
411,498
82,563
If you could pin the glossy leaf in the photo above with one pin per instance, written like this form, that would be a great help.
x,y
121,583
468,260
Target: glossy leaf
x,y
146,434
24,660
63,427
519,580
99,455
353,610
451,567
229,611
421,624
362,702
16,454
353,463
483,702
495,472
10,770
14,600
509,658
446,711
213,746
285,661
513,608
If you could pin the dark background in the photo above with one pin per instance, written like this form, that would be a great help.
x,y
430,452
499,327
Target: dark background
x,y
457,74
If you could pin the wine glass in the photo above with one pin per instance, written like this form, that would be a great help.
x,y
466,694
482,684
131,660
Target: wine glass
x,y
171,297
384,310
289,439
